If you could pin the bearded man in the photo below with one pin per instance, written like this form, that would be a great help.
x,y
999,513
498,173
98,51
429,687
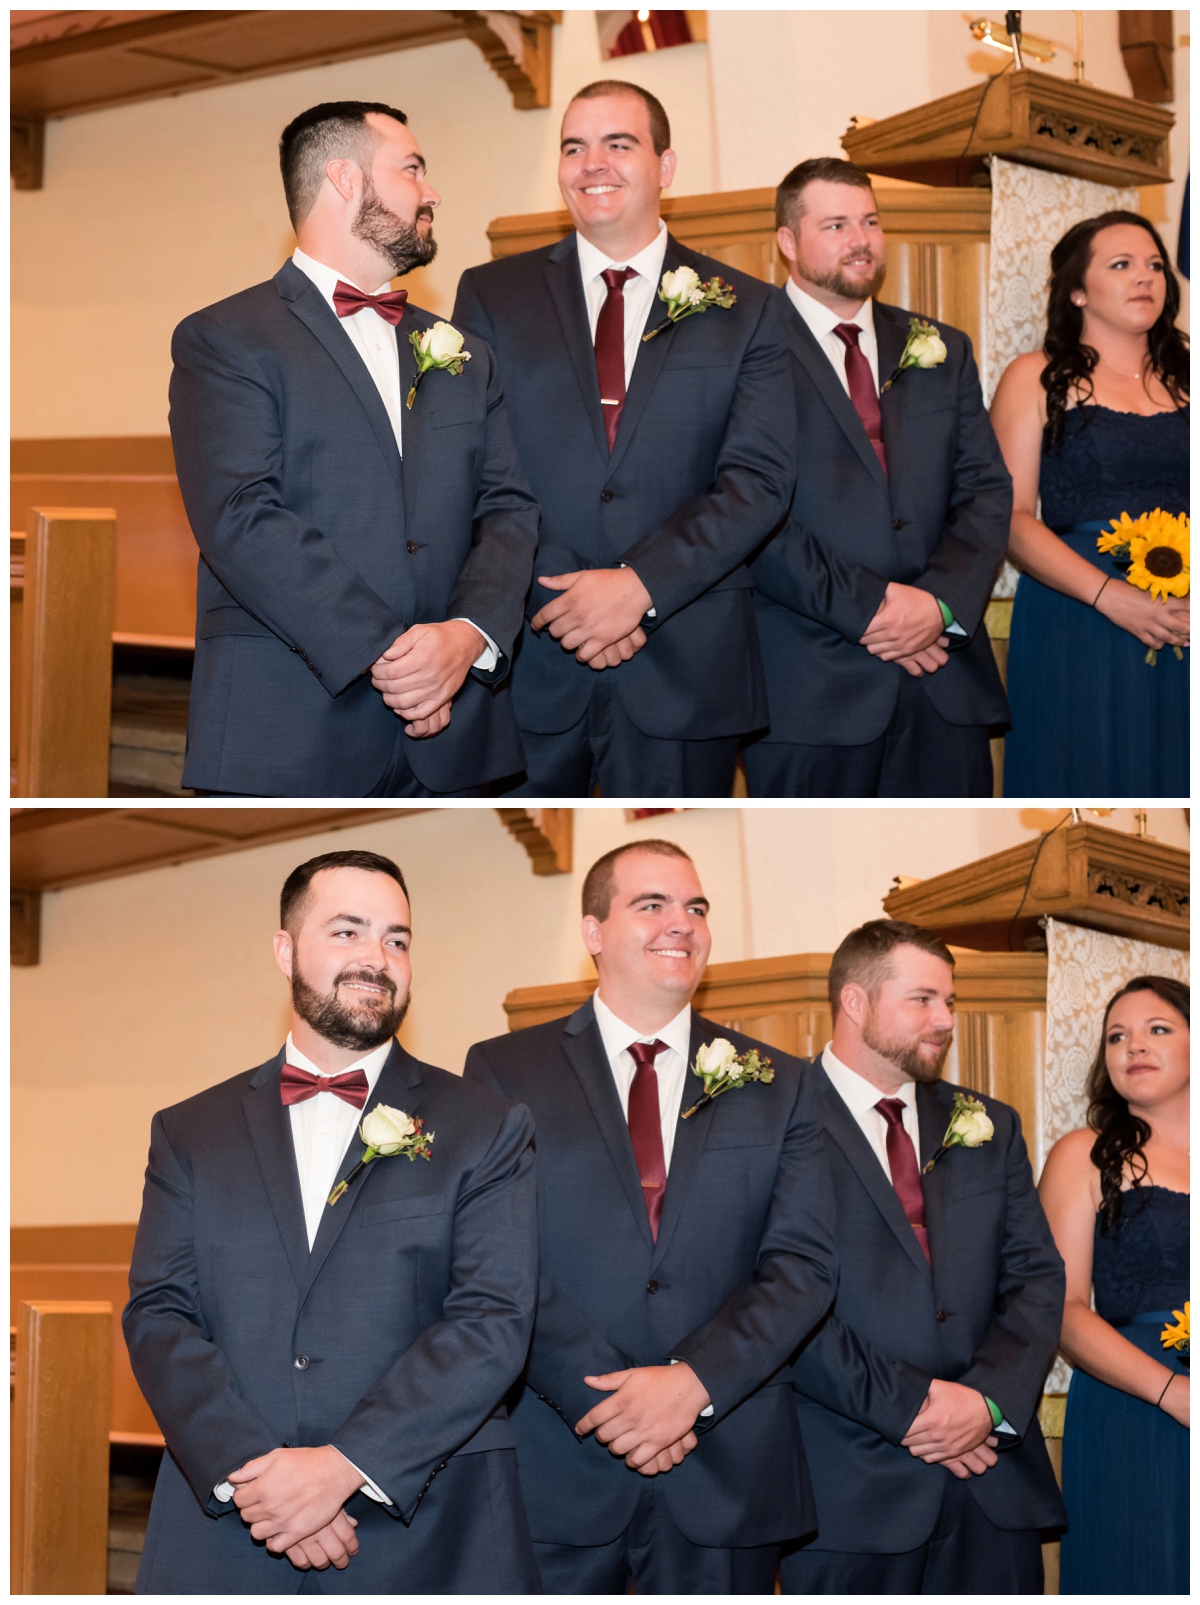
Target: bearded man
x,y
327,1344
898,474
366,534
918,1396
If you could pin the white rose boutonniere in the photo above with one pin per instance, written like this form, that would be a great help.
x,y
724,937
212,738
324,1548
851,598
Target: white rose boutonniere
x,y
969,1127
387,1132
720,1066
685,292
924,348
440,347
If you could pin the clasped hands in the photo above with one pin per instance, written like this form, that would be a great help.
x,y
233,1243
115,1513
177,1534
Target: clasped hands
x,y
597,615
422,671
953,1428
292,1499
908,629
648,1416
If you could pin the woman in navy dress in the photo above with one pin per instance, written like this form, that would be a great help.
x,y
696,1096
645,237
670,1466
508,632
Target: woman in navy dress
x,y
1116,1197
1097,424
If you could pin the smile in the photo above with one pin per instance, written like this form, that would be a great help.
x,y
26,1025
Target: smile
x,y
601,189
671,952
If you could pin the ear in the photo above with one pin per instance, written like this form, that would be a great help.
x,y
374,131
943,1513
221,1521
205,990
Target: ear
x,y
345,176
855,1004
786,241
591,935
284,952
667,164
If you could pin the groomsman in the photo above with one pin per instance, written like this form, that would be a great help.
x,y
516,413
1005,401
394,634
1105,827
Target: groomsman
x,y
660,465
897,471
327,1345
684,1255
918,1397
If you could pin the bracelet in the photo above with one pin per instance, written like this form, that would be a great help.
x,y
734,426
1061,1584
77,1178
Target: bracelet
x,y
1095,599
1163,1394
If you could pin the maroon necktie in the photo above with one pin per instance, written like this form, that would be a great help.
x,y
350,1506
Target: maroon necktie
x,y
389,303
906,1178
296,1085
862,388
610,353
645,1129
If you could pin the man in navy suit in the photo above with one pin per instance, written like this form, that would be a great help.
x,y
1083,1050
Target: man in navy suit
x,y
659,466
328,1364
918,1396
684,1256
363,562
898,472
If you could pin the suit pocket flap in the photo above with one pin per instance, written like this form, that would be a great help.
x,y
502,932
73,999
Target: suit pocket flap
x,y
737,1139
231,621
974,1189
403,1209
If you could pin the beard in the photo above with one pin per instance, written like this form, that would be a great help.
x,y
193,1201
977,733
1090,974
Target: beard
x,y
841,284
907,1057
401,244
349,1025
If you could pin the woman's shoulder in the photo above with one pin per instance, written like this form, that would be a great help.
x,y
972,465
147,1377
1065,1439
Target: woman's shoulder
x,y
1019,394
1024,373
1071,1156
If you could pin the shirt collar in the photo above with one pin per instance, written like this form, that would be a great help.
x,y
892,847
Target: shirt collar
x,y
326,279
648,262
371,1064
857,1092
820,318
676,1034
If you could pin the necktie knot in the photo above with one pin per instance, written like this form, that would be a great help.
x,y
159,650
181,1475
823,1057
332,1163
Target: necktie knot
x,y
892,1110
645,1053
297,1086
616,278
848,334
347,300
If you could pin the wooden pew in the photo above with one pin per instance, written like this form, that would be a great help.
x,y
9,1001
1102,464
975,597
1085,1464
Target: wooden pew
x,y
59,1535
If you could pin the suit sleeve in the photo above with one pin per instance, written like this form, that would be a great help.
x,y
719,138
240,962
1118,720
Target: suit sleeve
x,y
962,566
470,313
766,1318
493,581
227,431
210,1428
797,570
447,1383
712,533
851,1376
1011,1362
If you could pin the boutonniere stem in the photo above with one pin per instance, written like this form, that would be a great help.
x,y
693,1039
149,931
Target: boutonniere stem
x,y
685,293
387,1132
924,348
438,348
969,1128
720,1066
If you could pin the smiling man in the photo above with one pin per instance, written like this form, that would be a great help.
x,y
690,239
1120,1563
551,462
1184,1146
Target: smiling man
x,y
329,1365
363,563
918,1396
684,1256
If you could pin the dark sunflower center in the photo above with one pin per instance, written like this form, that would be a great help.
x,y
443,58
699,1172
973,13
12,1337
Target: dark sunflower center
x,y
1164,562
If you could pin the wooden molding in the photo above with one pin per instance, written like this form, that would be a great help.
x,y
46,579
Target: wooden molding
x,y
546,834
24,926
517,47
26,151
1148,50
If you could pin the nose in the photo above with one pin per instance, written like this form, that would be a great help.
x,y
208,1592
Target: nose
x,y
943,1017
430,196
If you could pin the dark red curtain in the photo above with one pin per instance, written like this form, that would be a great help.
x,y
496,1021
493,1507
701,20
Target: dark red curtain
x,y
666,27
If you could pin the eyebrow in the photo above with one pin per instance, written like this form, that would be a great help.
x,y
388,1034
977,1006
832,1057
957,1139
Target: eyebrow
x,y
662,897
844,217
357,919
578,139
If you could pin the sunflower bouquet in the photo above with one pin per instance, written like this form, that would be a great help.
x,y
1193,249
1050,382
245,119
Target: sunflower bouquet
x,y
1179,1336
1157,547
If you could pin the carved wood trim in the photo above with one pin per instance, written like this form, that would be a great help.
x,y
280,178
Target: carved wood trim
x,y
517,47
546,834
1148,50
26,151
24,926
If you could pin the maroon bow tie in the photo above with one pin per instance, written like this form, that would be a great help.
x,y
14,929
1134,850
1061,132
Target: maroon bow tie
x,y
296,1085
389,304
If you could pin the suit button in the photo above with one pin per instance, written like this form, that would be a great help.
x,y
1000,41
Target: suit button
x,y
652,1287
301,1362
897,523
412,547
940,1316
606,495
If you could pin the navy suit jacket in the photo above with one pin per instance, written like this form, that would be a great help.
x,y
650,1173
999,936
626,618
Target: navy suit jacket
x,y
700,474
412,1312
742,1270
988,1315
938,520
318,546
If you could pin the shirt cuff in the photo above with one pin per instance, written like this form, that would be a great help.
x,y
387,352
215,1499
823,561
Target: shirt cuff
x,y
948,620
224,1490
485,663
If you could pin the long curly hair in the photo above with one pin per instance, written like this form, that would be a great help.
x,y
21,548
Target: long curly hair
x,y
1121,1135
1070,363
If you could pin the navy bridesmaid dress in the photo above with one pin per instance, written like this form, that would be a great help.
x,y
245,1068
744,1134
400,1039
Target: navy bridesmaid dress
x,y
1125,1462
1090,717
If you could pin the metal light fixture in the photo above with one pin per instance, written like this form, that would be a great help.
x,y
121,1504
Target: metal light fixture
x,y
998,37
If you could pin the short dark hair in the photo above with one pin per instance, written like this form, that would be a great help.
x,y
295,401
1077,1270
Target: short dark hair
x,y
789,197
660,128
600,882
334,128
294,896
865,956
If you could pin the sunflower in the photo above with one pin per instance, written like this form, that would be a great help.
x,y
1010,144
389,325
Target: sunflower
x,y
1179,1336
1160,555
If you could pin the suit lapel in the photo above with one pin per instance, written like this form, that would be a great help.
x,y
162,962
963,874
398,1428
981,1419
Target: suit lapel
x,y
819,369
271,1134
690,1137
934,1104
566,291
412,423
651,354
891,332
846,1132
397,1081
584,1048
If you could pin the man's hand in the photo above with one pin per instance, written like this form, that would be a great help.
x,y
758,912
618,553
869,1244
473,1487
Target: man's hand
x,y
619,652
908,621
332,1546
648,1410
927,662
598,607
290,1494
674,1455
974,1463
951,1422
422,670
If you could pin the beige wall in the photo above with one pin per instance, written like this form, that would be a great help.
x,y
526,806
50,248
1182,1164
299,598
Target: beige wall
x,y
154,986
150,211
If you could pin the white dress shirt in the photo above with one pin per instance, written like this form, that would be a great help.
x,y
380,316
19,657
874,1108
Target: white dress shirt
x,y
822,322
377,343
639,293
670,1067
322,1129
860,1097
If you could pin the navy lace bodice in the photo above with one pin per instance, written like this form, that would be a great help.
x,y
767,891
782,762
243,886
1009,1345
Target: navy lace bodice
x,y
1109,463
1143,1264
